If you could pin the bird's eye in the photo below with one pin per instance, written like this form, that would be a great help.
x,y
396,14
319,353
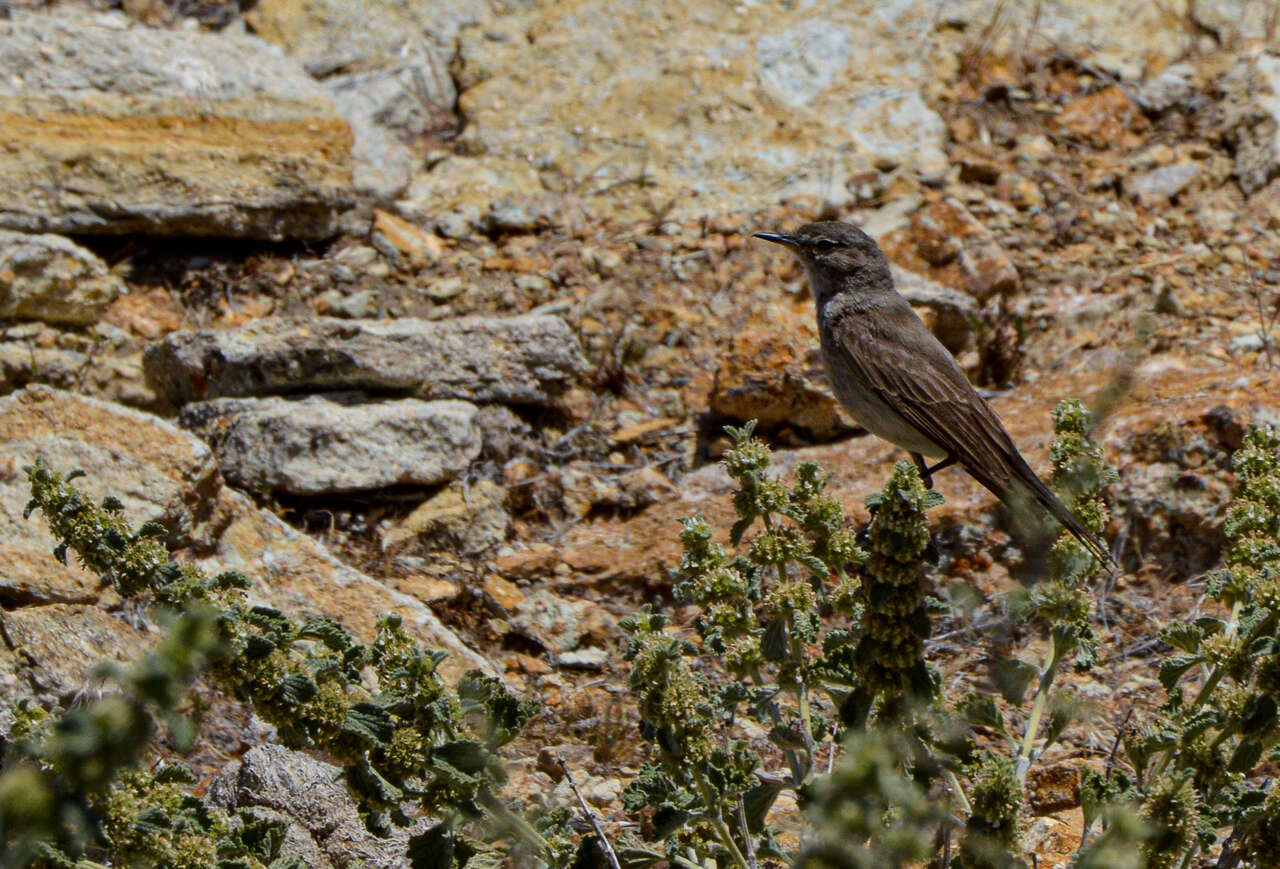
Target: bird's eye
x,y
824,244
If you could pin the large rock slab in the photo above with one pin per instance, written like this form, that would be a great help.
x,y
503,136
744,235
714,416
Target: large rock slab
x,y
159,472
109,127
1251,95
774,374
386,67
468,520
340,443
297,575
51,278
324,826
717,107
59,648
515,360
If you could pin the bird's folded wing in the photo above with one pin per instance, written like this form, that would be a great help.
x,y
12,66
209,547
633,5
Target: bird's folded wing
x,y
928,390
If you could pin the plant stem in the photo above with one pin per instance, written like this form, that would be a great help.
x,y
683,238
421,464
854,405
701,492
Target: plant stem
x,y
1191,853
1037,709
802,689
954,784
746,834
591,817
1210,682
717,821
518,826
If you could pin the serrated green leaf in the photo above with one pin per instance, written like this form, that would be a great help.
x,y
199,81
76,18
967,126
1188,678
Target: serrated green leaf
x,y
635,857
1173,667
786,737
773,642
503,714
153,530
464,755
981,710
667,820
370,722
230,579
257,647
432,848
297,689
1201,720
1246,755
175,773
152,821
371,784
1138,752
757,802
1012,677
1260,714
856,707
329,632
739,528
1183,636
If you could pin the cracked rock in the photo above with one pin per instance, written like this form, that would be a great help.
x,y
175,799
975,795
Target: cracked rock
x,y
528,359
336,443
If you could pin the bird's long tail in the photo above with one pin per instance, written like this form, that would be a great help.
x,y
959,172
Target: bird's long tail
x,y
1030,489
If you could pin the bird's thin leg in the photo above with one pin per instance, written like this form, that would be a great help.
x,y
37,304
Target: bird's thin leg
x,y
945,463
926,475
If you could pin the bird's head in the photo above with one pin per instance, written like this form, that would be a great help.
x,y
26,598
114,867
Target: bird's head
x,y
838,256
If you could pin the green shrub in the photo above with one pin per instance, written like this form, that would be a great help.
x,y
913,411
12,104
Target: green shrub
x,y
804,673
410,746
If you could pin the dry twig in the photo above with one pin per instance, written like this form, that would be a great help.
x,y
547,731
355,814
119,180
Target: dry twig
x,y
591,816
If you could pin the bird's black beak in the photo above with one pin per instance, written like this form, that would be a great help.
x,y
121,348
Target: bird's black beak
x,y
780,238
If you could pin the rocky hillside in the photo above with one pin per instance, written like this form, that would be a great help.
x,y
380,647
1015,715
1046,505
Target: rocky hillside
x,y
440,307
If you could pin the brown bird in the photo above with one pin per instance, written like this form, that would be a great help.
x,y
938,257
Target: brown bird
x,y
900,383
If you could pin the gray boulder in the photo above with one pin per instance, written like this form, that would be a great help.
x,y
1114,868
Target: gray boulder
x,y
337,443
510,360
111,127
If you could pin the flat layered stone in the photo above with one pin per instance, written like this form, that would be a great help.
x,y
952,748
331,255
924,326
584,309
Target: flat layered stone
x,y
51,278
386,67
529,359
159,472
323,445
290,571
61,646
323,824
107,127
722,108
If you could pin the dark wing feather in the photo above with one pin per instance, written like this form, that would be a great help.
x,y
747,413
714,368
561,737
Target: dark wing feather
x,y
897,357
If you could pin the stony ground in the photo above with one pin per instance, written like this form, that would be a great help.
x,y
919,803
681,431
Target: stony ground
x,y
1071,219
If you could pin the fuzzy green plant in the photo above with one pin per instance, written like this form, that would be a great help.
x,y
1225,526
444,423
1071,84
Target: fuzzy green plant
x,y
869,813
889,655
409,743
1197,764
1057,607
990,839
66,774
765,653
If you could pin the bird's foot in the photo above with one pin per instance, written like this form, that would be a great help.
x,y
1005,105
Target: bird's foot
x,y
926,472
926,476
